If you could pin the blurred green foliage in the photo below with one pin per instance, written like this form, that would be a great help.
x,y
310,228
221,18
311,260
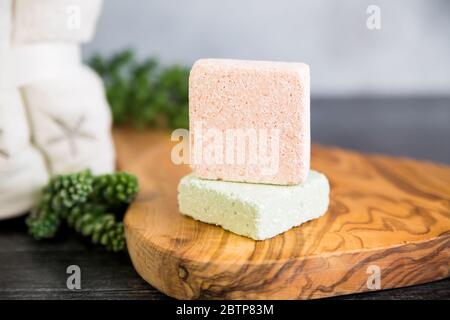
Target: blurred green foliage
x,y
144,94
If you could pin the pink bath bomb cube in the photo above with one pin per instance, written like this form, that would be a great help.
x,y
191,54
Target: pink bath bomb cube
x,y
249,121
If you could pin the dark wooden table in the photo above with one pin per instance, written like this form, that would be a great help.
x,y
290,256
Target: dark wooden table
x,y
415,127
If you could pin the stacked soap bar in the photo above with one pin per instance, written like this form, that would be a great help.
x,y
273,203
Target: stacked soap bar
x,y
272,98
258,211
250,148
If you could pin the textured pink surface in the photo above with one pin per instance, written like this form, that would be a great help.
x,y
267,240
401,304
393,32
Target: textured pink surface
x,y
234,94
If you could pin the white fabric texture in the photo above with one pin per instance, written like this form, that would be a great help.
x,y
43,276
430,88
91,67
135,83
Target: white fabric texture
x,y
70,122
5,23
54,117
29,63
55,20
22,168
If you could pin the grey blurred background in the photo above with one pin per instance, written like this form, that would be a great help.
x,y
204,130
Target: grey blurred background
x,y
410,54
381,90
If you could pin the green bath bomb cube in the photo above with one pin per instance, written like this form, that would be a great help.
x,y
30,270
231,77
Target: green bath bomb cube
x,y
257,211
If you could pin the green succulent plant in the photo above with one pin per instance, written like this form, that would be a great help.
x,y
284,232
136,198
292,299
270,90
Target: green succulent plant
x,y
92,205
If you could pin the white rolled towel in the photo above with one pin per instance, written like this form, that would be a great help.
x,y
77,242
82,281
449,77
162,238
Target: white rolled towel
x,y
71,122
21,65
5,23
26,52
55,20
23,172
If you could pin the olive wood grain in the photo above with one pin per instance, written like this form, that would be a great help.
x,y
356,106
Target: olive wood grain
x,y
391,213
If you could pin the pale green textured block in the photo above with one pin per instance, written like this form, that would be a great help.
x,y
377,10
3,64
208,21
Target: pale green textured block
x,y
257,211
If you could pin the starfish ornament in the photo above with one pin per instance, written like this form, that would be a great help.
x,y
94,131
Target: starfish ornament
x,y
70,133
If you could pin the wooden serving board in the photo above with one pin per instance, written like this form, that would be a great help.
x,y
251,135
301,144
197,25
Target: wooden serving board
x,y
386,213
